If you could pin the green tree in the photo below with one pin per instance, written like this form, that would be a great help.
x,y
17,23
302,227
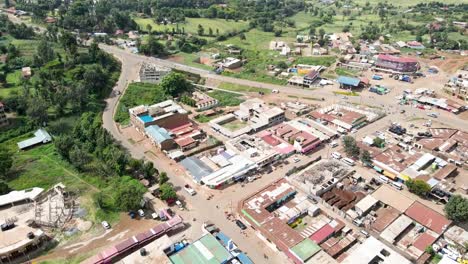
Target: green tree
x,y
148,169
64,144
167,192
6,161
418,187
200,30
175,84
163,178
128,194
457,208
79,157
366,157
210,32
242,36
44,53
4,188
378,142
350,146
37,110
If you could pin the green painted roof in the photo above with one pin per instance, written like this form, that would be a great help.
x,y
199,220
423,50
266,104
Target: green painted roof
x,y
305,249
206,250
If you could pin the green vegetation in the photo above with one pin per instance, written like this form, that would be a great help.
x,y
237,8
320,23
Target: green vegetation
x,y
346,93
138,94
226,98
235,125
346,72
350,147
457,208
418,187
191,25
319,60
243,88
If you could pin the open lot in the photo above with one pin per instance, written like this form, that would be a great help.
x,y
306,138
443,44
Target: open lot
x,y
191,25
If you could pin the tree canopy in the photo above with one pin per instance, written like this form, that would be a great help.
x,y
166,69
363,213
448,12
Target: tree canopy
x,y
167,192
457,208
418,187
175,84
350,146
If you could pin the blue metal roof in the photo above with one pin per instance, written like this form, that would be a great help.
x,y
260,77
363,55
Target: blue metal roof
x,y
346,80
197,168
224,239
157,133
244,259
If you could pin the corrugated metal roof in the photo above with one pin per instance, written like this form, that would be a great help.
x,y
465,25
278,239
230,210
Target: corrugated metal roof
x,y
346,80
157,133
322,234
206,250
197,168
40,136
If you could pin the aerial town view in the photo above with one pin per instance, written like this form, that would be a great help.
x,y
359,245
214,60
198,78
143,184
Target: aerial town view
x,y
234,131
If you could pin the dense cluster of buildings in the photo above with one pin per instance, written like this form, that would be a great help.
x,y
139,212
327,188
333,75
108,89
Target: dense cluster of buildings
x,y
167,125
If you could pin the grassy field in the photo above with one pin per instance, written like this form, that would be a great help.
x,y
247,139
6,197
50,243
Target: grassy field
x,y
346,72
235,125
13,84
226,98
407,3
137,94
242,88
319,60
43,167
189,59
191,25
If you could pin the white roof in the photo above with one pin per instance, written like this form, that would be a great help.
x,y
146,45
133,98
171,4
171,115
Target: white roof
x,y
40,136
371,248
18,196
239,166
424,160
446,260
396,228
365,204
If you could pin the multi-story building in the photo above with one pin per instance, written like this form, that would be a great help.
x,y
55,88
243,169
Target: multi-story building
x,y
152,73
397,64
3,117
259,114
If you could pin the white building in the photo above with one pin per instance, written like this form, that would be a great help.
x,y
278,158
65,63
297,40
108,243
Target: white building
x,y
374,251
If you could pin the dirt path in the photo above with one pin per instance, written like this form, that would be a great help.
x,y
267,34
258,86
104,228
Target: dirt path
x,y
91,243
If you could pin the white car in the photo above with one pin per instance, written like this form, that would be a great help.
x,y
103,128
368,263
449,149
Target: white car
x,y
105,225
141,213
189,189
334,144
296,160
336,155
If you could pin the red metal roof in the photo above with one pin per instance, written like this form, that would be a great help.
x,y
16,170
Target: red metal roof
x,y
423,241
271,140
184,141
322,234
428,217
395,59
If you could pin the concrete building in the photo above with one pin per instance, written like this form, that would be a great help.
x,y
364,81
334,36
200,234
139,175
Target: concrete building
x,y
396,64
3,117
166,124
374,251
253,115
254,149
230,63
26,72
152,73
204,101
205,250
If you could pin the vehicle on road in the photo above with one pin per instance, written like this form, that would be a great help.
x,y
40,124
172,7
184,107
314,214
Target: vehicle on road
x,y
241,225
383,179
396,185
189,190
141,213
105,224
275,91
296,160
348,161
336,155
402,111
7,226
334,144
179,204
434,115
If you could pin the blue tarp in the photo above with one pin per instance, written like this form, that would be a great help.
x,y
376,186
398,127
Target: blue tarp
x,y
244,259
345,80
224,239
